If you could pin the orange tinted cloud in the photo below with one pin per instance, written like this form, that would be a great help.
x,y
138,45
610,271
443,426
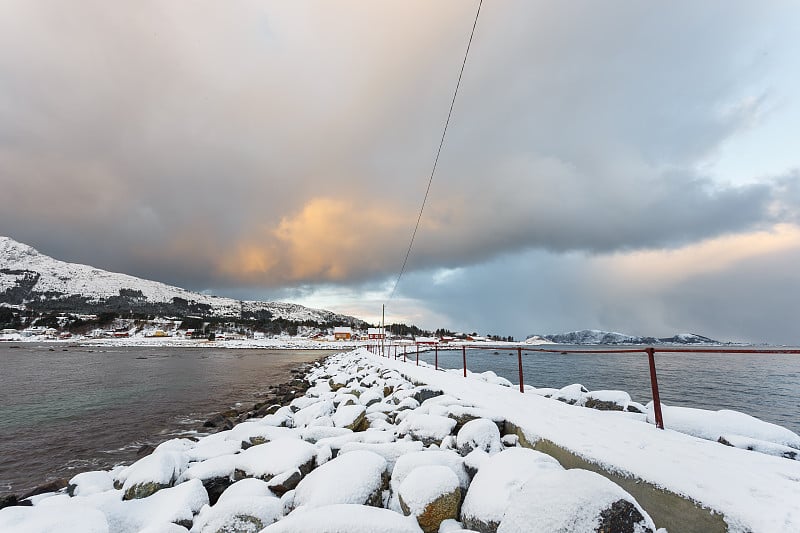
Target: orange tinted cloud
x,y
667,267
328,239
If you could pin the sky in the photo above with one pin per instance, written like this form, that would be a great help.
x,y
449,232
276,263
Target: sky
x,y
615,165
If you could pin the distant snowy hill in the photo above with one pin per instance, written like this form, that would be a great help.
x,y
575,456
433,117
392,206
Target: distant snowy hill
x,y
593,336
39,282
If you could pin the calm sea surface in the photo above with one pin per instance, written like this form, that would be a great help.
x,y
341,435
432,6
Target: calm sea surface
x,y
764,386
76,409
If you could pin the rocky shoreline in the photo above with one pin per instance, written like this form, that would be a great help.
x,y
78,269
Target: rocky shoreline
x,y
353,443
352,447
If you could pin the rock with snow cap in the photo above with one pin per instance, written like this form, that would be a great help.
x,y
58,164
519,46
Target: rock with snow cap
x,y
352,417
266,461
564,501
481,433
430,429
152,473
498,478
357,477
246,506
430,494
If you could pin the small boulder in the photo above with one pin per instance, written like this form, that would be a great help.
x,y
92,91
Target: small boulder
x,y
426,393
431,495
352,417
482,434
51,486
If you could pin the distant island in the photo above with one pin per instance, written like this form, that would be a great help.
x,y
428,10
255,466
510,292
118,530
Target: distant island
x,y
593,336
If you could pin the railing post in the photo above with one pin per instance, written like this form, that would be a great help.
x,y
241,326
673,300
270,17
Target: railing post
x,y
436,360
654,385
404,352
417,354
464,357
521,379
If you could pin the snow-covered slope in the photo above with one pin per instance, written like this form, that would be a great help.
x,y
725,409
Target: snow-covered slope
x,y
593,336
41,282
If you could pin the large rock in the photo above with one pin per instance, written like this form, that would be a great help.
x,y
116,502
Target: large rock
x,y
430,429
357,477
152,473
431,495
247,506
266,461
352,417
499,477
574,500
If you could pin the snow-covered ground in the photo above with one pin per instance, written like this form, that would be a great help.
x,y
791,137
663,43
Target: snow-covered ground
x,y
381,445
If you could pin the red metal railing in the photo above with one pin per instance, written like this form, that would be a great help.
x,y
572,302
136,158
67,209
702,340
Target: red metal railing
x,y
650,351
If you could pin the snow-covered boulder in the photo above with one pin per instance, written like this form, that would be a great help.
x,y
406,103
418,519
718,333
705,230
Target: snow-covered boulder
x,y
357,477
571,394
498,478
370,396
391,451
769,448
344,518
351,417
247,506
607,400
424,393
173,505
305,416
88,483
430,494
712,425
481,433
430,429
317,433
266,461
152,473
62,518
566,501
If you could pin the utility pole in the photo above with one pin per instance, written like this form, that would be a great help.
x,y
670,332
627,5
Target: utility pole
x,y
383,329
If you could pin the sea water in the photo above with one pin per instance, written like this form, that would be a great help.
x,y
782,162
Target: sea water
x,y
64,410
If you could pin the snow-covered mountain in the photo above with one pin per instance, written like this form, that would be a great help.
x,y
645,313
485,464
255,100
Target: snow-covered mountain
x,y
593,336
39,282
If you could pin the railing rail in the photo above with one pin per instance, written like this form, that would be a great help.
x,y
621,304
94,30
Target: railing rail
x,y
650,351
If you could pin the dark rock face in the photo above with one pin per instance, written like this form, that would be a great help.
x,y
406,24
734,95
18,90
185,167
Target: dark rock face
x,y
145,450
50,486
622,517
143,490
219,420
592,403
11,500
215,487
426,393
282,484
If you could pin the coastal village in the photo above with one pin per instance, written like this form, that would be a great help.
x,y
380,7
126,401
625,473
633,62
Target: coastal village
x,y
178,329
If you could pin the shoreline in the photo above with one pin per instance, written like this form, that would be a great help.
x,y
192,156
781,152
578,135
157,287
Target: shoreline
x,y
344,451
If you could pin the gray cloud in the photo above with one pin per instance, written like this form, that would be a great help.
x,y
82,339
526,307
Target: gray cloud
x,y
275,145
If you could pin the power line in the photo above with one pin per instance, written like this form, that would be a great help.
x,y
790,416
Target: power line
x,y
438,152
